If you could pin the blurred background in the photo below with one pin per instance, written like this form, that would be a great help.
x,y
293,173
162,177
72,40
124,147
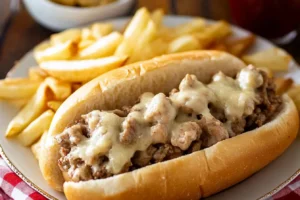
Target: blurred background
x,y
23,24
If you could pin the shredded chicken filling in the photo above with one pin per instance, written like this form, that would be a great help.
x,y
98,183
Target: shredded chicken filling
x,y
159,127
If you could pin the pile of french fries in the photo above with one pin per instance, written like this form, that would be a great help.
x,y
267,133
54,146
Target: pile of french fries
x,y
76,56
83,3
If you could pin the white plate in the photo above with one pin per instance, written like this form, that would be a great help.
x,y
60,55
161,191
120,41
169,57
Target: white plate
x,y
261,185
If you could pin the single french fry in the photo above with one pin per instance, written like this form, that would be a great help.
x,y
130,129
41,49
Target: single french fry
x,y
283,85
101,29
273,58
76,86
18,88
294,91
146,37
239,46
133,31
138,23
157,17
30,112
104,46
219,46
85,43
194,26
62,51
60,89
54,105
214,33
82,70
66,2
183,43
70,35
36,128
86,34
37,74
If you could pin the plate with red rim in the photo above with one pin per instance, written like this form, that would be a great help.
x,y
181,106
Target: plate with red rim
x,y
261,185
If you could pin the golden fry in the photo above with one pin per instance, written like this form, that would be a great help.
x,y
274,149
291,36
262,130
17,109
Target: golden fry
x,y
283,85
82,70
144,40
66,2
70,35
31,111
157,17
86,34
219,47
194,26
239,46
213,34
18,88
76,86
134,29
294,91
183,43
85,43
104,46
60,89
54,105
36,128
62,51
101,29
273,58
37,74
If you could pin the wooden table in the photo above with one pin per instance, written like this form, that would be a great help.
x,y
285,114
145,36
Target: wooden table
x,y
23,33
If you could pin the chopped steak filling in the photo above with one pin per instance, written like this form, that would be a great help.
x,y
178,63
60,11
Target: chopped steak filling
x,y
159,127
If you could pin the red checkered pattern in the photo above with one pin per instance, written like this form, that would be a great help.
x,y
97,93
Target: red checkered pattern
x,y
12,187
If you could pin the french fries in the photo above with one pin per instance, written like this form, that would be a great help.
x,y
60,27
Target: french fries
x,y
239,46
146,37
157,17
213,34
273,58
54,105
60,89
100,29
30,112
133,31
18,88
71,35
83,70
36,148
36,128
63,51
104,46
184,43
37,74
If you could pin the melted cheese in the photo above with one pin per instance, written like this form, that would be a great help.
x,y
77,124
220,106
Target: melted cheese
x,y
235,97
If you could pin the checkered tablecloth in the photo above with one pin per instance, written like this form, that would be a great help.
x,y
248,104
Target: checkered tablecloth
x,y
12,187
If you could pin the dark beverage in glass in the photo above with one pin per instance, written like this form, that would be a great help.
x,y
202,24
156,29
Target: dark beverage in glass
x,y
269,18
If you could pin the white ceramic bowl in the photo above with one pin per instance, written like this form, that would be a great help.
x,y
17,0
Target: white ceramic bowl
x,y
59,17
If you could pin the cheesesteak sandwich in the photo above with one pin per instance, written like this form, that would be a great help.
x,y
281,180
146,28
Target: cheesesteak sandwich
x,y
181,126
